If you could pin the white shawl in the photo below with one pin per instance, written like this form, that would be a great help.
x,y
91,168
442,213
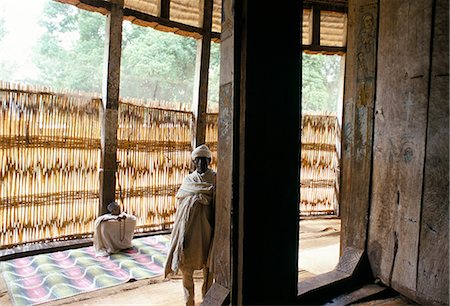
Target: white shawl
x,y
192,231
112,235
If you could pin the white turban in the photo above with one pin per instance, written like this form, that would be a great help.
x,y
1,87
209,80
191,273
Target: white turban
x,y
201,151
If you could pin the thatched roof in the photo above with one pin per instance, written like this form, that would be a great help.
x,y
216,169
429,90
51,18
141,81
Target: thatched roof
x,y
333,29
184,17
188,12
327,4
324,26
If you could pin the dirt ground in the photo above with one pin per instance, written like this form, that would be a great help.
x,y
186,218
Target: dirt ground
x,y
318,253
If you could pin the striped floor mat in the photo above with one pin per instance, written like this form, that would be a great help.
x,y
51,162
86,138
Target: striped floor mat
x,y
47,277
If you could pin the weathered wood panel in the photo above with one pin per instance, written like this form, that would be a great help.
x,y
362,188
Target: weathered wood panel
x,y
359,99
224,194
201,75
363,293
109,117
216,296
432,276
399,141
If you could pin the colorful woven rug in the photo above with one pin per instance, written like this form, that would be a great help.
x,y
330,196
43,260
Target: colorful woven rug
x,y
47,277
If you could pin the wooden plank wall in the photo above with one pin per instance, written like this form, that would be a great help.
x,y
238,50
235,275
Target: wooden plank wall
x,y
222,236
402,207
359,99
433,273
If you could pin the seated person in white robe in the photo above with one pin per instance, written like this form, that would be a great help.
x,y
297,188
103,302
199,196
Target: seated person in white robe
x,y
192,231
113,231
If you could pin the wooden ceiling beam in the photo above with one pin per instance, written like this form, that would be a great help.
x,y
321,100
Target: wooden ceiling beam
x,y
324,49
163,21
337,6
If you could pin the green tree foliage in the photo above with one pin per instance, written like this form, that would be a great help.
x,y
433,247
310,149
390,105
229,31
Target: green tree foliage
x,y
157,65
320,82
214,74
69,55
154,65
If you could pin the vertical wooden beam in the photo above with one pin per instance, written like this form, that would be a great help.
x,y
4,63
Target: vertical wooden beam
x,y
164,9
224,195
109,116
316,27
357,126
432,276
201,76
403,71
268,147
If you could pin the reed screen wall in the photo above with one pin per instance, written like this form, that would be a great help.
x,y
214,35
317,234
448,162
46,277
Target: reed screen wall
x,y
154,155
50,157
319,174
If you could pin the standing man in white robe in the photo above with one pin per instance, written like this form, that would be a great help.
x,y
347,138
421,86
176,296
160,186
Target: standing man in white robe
x,y
113,231
194,223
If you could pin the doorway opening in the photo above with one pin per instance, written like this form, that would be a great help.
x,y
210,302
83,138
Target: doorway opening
x,y
322,94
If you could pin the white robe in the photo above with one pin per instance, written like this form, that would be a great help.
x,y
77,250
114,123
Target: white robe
x,y
193,228
112,235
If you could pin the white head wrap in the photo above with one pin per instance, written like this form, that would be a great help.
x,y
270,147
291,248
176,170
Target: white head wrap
x,y
112,205
201,151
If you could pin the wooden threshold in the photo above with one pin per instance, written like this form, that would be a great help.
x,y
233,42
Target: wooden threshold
x,y
349,272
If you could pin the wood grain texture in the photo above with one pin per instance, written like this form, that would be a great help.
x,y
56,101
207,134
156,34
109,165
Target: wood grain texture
x,y
109,115
399,141
216,295
353,297
202,76
224,194
222,234
432,276
359,99
346,267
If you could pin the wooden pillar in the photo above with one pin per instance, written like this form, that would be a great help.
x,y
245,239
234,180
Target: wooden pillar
x,y
224,195
316,27
357,126
164,9
266,150
200,100
109,116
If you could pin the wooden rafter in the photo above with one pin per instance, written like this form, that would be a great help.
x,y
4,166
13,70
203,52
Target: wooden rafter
x,y
161,22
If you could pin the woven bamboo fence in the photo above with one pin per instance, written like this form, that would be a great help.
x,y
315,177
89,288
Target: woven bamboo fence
x,y
50,156
154,155
319,165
